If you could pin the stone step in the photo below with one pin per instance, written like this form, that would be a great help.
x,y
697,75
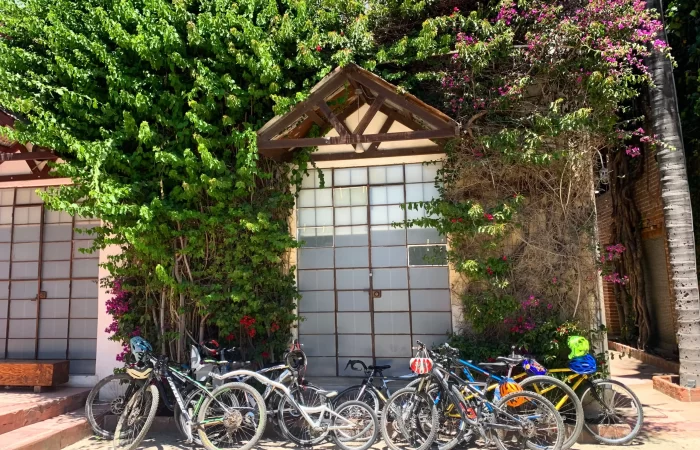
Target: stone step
x,y
20,408
51,434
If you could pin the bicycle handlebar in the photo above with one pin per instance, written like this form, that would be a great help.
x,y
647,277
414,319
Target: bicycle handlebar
x,y
351,363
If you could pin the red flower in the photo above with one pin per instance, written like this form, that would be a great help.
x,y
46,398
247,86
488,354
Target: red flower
x,y
274,327
488,216
230,337
318,48
265,355
454,220
504,258
251,332
456,9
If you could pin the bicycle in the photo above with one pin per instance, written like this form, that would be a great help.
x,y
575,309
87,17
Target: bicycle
x,y
108,398
502,422
224,414
367,391
556,391
605,402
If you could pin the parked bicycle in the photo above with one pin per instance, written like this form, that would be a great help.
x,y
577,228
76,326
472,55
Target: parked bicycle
x,y
373,389
556,391
235,414
459,407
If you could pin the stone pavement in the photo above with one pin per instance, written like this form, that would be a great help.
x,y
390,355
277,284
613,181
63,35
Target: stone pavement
x,y
668,425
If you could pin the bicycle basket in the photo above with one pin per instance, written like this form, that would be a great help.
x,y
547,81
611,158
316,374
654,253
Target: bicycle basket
x,y
584,365
533,367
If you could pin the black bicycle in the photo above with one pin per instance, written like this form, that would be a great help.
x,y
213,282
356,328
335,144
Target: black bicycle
x,y
373,390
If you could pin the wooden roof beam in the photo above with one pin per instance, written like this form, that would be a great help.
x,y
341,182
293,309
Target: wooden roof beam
x,y
356,139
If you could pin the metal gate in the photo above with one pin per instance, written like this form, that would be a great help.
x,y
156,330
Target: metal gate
x,y
369,289
48,287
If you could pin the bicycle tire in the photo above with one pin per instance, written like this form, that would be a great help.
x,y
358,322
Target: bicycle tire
x,y
534,384
369,440
125,417
463,425
248,391
283,407
634,431
116,405
369,397
558,442
179,418
388,411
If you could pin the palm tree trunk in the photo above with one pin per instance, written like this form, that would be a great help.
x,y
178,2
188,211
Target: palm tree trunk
x,y
677,211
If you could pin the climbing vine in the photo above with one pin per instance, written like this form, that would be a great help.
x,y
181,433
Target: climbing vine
x,y
153,104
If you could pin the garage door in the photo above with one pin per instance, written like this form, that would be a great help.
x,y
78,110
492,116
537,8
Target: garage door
x,y
369,289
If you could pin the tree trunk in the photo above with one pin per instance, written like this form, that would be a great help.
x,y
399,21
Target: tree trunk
x,y
677,211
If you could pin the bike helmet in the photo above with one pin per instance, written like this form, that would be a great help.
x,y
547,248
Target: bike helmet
x,y
533,367
579,346
510,386
584,365
210,348
139,347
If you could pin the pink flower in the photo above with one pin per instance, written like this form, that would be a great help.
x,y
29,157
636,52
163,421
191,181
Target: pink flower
x,y
554,280
633,152
488,216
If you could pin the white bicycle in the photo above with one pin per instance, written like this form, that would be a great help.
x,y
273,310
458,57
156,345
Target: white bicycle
x,y
235,416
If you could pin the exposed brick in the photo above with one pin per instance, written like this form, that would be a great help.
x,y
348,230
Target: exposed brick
x,y
647,196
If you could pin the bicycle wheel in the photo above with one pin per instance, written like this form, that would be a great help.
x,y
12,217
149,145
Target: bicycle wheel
x,y
190,402
365,426
611,404
532,420
106,402
564,400
409,420
292,423
356,393
137,418
234,417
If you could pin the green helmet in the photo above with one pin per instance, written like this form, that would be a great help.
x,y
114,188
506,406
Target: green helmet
x,y
579,346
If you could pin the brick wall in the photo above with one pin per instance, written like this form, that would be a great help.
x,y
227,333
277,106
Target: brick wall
x,y
647,195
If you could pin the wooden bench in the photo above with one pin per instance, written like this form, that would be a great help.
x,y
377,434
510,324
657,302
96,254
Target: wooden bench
x,y
33,373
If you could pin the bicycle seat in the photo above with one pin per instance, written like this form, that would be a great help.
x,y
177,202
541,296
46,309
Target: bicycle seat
x,y
512,361
327,394
387,367
494,365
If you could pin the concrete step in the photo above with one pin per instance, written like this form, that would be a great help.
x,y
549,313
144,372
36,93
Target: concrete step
x,y
51,434
20,408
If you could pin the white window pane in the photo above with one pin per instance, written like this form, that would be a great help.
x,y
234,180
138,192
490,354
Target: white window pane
x,y
26,196
6,215
6,196
386,175
422,192
386,214
29,215
430,171
309,217
415,213
379,215
57,217
356,215
316,237
350,196
395,214
314,181
414,173
351,236
343,216
386,194
359,215
422,173
351,177
315,197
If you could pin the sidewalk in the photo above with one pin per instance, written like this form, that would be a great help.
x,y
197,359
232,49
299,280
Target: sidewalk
x,y
668,423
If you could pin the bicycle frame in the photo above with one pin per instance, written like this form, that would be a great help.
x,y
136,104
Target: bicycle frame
x,y
303,410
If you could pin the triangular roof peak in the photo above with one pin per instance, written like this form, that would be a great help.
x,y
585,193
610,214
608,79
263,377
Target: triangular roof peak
x,y
359,115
